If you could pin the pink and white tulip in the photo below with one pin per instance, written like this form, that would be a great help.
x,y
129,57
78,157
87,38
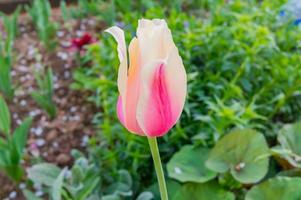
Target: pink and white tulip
x,y
152,84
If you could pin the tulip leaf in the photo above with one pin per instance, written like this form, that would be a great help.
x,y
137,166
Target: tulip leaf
x,y
187,165
244,152
5,118
280,188
201,191
290,143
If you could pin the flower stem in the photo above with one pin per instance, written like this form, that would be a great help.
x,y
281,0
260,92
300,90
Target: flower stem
x,y
158,167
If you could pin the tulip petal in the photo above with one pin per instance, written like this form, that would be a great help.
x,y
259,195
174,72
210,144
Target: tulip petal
x,y
157,112
133,87
118,35
119,109
155,40
176,81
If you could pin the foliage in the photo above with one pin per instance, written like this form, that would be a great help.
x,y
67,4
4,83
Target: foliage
x,y
40,12
289,139
81,182
188,165
6,47
281,188
244,152
12,145
243,66
44,95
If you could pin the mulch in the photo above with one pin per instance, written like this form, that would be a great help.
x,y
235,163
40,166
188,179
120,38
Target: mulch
x,y
50,140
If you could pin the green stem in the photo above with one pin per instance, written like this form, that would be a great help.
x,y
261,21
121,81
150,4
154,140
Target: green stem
x,y
158,167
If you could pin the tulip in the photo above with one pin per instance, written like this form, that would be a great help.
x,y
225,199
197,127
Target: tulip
x,y
152,85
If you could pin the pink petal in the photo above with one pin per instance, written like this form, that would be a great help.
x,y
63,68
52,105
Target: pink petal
x,y
119,109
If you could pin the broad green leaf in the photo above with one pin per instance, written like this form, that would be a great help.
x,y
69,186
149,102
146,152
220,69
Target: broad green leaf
x,y
57,186
201,191
20,135
44,173
279,188
188,165
289,138
172,187
244,152
5,119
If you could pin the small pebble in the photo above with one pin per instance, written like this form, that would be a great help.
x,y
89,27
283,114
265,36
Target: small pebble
x,y
39,193
23,61
23,103
28,77
15,116
79,33
22,29
56,86
13,73
38,66
76,118
22,186
38,131
66,74
65,118
23,78
13,195
60,33
73,109
40,142
62,55
23,68
55,145
85,141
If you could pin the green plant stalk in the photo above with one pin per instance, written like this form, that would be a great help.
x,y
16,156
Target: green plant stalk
x,y
158,167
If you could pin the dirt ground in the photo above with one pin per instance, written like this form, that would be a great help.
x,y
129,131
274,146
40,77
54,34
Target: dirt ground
x,y
50,140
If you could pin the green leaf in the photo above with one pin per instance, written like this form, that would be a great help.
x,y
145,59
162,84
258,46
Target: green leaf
x,y
188,165
279,188
201,191
289,138
111,197
20,135
243,152
172,187
145,196
57,186
123,186
44,173
88,187
5,118
30,196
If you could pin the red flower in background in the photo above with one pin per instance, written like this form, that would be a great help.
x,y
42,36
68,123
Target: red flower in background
x,y
79,43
